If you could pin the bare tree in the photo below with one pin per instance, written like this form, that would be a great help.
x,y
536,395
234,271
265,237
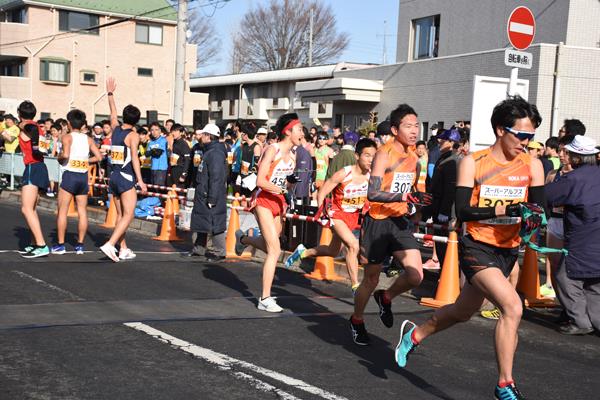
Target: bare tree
x,y
276,36
205,38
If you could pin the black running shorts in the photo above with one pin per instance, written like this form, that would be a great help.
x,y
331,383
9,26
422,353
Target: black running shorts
x,y
476,256
379,238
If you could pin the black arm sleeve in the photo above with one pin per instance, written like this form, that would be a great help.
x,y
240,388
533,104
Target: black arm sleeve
x,y
537,195
465,212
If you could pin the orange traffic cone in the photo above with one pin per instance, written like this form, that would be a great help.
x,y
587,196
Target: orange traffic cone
x,y
448,285
234,225
174,200
324,270
168,230
529,282
91,179
111,215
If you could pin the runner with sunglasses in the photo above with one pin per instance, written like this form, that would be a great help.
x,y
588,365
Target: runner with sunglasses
x,y
490,185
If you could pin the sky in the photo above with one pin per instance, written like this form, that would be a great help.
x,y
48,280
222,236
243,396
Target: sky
x,y
361,20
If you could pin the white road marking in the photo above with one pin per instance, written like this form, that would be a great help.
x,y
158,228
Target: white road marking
x,y
48,285
227,363
521,28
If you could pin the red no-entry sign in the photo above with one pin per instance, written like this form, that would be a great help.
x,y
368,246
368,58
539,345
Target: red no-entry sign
x,y
521,28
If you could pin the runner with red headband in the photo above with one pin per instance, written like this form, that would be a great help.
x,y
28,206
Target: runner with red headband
x,y
275,168
349,195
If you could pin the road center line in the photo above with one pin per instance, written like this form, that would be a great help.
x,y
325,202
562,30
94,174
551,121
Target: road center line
x,y
226,362
49,285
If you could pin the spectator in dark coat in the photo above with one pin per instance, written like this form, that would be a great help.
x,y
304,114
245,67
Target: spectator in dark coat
x,y
443,184
209,215
578,285
304,170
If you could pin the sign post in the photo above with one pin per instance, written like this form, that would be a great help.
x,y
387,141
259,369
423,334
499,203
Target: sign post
x,y
521,31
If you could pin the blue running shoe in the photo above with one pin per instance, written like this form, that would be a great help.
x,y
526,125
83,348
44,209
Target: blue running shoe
x,y
79,248
58,249
37,252
509,392
26,250
405,345
295,256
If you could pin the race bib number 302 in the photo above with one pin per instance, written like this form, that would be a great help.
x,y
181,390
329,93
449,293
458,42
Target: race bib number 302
x,y
402,182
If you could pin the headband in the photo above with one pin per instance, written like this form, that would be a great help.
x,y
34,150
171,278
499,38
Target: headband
x,y
290,125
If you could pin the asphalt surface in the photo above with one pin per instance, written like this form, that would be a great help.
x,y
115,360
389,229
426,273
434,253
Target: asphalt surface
x,y
164,326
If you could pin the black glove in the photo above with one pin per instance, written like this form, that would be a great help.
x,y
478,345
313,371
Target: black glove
x,y
293,179
156,153
418,198
513,210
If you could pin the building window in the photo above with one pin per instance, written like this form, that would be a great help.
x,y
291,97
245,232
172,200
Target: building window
x,y
151,34
12,68
74,21
89,77
426,37
45,115
55,70
145,72
16,15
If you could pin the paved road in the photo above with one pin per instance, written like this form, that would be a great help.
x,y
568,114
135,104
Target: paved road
x,y
166,327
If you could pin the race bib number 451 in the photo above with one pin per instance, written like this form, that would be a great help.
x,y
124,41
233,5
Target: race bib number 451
x,y
402,182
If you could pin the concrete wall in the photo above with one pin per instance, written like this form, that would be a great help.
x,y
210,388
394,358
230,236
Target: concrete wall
x,y
113,52
468,26
441,89
584,23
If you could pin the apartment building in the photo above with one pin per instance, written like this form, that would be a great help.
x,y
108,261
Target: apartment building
x,y
58,53
264,96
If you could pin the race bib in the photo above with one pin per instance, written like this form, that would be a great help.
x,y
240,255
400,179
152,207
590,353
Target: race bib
x,y
117,155
492,196
197,159
354,198
402,182
173,159
245,168
43,145
229,157
78,165
279,180
146,161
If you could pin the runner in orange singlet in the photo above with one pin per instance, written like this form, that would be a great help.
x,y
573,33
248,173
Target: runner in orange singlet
x,y
275,168
349,187
490,185
386,229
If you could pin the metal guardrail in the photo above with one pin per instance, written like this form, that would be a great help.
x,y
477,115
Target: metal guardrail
x,y
12,164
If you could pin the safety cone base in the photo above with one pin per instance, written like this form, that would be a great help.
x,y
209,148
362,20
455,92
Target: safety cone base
x,y
316,274
542,302
431,302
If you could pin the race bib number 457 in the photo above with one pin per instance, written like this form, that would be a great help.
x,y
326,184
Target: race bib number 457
x,y
402,182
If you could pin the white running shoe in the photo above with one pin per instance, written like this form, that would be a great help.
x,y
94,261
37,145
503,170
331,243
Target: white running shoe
x,y
126,254
269,305
110,251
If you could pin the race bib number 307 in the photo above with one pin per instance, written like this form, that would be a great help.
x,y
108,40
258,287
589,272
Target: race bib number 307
x,y
402,182
492,196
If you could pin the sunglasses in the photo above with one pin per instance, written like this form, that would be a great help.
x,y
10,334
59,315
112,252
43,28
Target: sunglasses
x,y
521,135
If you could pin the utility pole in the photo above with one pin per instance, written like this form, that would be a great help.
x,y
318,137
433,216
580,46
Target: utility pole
x,y
180,61
310,38
384,42
385,35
